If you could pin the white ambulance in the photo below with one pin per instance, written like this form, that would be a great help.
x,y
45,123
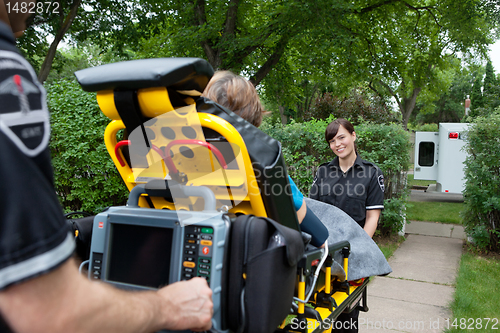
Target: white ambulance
x,y
440,156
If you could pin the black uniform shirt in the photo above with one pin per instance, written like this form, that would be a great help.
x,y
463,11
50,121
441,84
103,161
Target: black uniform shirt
x,y
34,237
359,189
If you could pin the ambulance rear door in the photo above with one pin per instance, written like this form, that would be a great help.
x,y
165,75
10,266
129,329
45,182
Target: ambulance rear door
x,y
426,155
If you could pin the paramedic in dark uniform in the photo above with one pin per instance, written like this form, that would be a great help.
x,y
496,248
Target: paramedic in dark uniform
x,y
350,183
40,287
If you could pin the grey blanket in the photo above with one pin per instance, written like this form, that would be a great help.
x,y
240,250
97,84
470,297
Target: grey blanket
x,y
365,259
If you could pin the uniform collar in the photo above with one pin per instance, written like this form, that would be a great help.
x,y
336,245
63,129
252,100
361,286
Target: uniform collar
x,y
6,33
7,39
335,162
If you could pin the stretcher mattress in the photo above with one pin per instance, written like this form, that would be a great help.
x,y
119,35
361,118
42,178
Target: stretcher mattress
x,y
365,259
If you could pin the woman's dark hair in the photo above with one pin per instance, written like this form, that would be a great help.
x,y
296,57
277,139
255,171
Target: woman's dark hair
x,y
333,128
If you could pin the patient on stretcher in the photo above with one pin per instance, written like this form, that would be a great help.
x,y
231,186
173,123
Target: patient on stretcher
x,y
240,96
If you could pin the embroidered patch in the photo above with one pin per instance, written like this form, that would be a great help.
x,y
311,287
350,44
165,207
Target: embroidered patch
x,y
381,182
24,117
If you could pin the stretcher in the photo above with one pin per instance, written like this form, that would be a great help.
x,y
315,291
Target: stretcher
x,y
213,164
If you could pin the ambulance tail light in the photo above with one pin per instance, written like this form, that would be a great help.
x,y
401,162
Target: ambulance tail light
x,y
453,135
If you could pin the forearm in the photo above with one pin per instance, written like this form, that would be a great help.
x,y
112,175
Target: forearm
x,y
371,221
68,302
107,309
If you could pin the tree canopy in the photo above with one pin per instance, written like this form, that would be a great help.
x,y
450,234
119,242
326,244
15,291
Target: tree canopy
x,y
403,47
397,46
292,51
113,24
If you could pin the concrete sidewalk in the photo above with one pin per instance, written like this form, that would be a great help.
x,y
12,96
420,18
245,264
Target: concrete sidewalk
x,y
416,296
435,229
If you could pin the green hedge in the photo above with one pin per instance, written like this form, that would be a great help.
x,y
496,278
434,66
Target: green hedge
x,y
387,145
85,176
482,186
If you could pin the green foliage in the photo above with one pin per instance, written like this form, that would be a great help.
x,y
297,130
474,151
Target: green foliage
x,y
388,146
476,99
85,176
405,49
482,187
110,24
392,219
447,105
489,79
491,89
358,106
400,49
69,60
424,127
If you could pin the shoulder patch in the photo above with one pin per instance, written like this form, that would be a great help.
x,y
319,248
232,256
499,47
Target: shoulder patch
x,y
24,117
381,182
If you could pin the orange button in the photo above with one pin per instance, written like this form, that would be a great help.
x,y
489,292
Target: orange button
x,y
205,250
189,264
191,241
206,242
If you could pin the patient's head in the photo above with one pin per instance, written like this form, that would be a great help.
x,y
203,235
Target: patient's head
x,y
237,94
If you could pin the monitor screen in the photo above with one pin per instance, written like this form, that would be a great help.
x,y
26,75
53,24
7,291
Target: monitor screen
x,y
139,255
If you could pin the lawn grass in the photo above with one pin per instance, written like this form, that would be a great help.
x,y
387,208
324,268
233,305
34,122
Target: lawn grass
x,y
388,245
412,181
445,212
476,294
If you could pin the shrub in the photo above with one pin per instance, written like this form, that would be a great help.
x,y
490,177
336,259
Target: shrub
x,y
388,146
482,182
359,106
424,127
85,176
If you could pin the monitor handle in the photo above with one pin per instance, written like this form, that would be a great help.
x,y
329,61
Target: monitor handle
x,y
164,188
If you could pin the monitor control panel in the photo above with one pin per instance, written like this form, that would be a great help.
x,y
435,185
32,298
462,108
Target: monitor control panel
x,y
198,248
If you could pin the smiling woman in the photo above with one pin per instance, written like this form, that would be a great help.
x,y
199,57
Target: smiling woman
x,y
348,182
354,185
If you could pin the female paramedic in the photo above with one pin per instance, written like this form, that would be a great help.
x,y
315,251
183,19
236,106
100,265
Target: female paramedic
x,y
352,184
240,96
348,182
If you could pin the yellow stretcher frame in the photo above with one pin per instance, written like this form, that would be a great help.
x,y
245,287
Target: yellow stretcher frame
x,y
251,204
154,102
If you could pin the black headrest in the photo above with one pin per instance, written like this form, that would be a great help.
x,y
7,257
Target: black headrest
x,y
176,73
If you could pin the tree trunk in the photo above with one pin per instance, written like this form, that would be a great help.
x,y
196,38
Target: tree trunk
x,y
47,63
408,106
271,61
284,118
